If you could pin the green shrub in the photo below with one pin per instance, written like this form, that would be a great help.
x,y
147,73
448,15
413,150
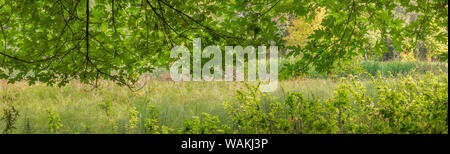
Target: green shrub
x,y
133,120
54,122
151,123
10,115
418,104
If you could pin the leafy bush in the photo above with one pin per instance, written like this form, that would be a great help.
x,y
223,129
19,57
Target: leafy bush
x,y
133,120
206,124
10,115
419,104
54,121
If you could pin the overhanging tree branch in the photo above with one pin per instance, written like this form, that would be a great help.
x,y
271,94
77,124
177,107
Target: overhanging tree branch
x,y
197,22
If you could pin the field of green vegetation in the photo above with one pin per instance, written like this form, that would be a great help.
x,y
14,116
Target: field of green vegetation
x,y
366,97
344,66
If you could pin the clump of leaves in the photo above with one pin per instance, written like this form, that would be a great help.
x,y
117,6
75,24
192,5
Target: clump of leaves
x,y
151,123
54,121
418,104
133,120
247,114
206,124
110,114
10,115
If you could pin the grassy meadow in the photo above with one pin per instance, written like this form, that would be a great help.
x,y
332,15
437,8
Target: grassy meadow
x,y
80,107
164,106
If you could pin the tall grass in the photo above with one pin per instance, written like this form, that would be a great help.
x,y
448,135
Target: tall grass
x,y
387,68
81,110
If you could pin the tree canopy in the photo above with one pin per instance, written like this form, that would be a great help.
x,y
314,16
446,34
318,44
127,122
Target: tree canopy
x,y
55,41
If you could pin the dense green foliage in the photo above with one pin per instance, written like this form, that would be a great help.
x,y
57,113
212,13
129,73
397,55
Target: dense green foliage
x,y
56,41
348,24
413,105
385,51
